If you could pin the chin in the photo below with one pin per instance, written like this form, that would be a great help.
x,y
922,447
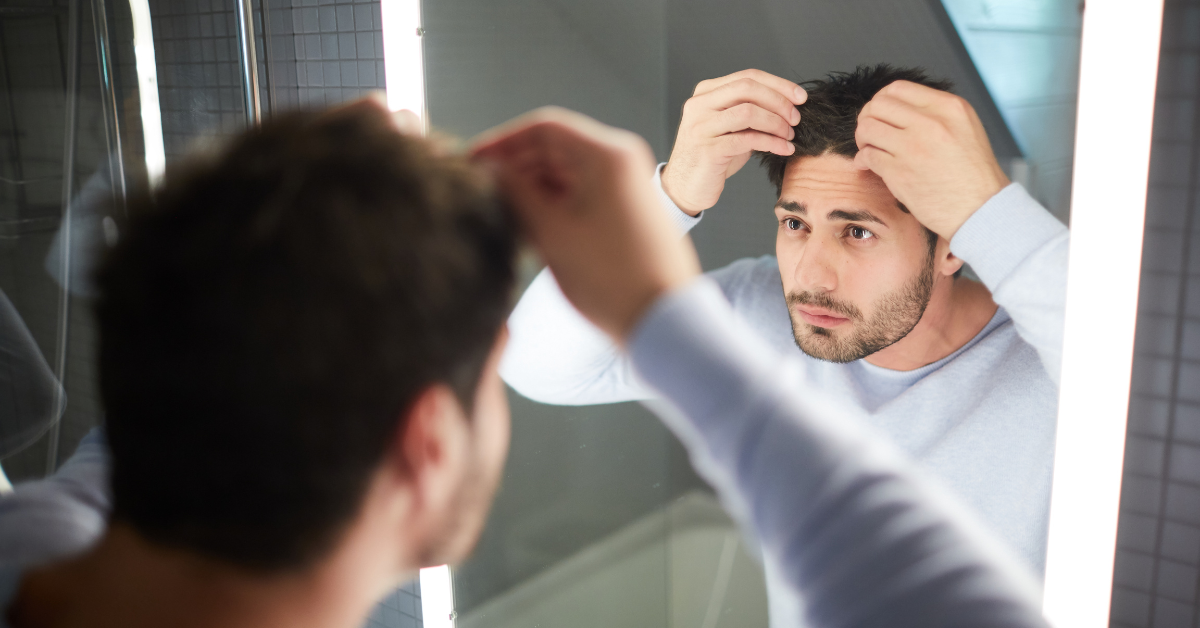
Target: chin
x,y
823,344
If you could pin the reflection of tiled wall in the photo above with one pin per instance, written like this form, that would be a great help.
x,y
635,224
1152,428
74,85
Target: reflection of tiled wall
x,y
338,50
401,609
1158,555
199,82
321,52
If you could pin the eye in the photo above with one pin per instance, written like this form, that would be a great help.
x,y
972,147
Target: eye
x,y
859,233
792,224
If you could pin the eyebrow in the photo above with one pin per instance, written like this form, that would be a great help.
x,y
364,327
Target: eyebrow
x,y
856,215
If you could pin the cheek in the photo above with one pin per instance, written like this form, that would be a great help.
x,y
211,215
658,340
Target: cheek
x,y
494,422
787,253
866,282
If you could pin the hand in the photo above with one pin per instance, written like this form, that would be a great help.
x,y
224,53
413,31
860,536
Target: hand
x,y
723,122
582,192
931,151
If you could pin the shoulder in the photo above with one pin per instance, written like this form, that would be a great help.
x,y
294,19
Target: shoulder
x,y
749,277
1009,358
754,289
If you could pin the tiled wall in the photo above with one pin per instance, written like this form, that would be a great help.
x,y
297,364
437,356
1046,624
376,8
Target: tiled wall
x,y
338,50
321,52
401,609
1158,547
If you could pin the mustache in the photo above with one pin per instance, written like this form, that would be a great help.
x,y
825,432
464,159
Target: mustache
x,y
825,301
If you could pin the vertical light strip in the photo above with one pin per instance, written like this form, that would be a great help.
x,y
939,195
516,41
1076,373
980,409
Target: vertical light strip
x,y
437,597
404,56
147,73
404,74
1119,67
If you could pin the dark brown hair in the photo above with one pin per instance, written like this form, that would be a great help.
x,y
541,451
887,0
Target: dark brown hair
x,y
829,118
267,317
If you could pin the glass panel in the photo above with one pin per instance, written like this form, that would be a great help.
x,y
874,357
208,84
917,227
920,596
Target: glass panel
x,y
71,141
600,520
64,115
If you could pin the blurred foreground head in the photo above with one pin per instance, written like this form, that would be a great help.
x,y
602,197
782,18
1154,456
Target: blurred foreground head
x,y
298,325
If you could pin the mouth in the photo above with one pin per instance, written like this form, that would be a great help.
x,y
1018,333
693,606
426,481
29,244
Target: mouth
x,y
820,317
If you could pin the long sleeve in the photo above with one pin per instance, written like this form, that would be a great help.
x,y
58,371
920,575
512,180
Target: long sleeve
x,y
1019,251
556,356
862,537
61,514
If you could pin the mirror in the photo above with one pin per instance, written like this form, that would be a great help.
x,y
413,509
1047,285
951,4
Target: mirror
x,y
600,519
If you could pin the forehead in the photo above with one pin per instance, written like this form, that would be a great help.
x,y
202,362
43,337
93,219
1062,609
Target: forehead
x,y
832,182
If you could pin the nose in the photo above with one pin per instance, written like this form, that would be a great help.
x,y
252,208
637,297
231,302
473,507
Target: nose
x,y
815,268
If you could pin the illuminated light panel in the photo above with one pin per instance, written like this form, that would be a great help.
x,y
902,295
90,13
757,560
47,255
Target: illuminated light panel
x,y
1119,67
404,56
437,597
147,73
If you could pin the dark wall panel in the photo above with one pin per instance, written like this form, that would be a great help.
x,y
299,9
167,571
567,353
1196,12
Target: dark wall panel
x,y
1158,545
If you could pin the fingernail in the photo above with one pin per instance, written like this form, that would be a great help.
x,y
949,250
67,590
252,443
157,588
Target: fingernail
x,y
801,95
791,133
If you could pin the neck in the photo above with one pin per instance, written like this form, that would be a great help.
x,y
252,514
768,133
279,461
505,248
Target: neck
x,y
127,581
958,310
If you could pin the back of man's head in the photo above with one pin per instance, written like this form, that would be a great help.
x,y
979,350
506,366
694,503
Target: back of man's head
x,y
269,314
829,118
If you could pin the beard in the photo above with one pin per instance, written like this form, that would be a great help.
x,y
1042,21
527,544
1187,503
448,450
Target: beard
x,y
896,314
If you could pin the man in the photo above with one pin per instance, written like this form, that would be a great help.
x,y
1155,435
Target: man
x,y
298,355
299,347
886,185
843,516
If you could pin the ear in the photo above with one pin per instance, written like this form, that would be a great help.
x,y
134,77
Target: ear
x,y
945,262
433,450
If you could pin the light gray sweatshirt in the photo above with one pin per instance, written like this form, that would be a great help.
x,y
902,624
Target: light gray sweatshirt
x,y
982,420
845,520
844,517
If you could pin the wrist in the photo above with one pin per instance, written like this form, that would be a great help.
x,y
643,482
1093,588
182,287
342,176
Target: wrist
x,y
680,202
986,194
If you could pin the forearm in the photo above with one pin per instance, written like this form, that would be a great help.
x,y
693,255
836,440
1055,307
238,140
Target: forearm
x,y
854,529
556,356
1019,251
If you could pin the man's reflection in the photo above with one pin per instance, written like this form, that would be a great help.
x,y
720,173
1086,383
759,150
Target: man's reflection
x,y
29,392
961,374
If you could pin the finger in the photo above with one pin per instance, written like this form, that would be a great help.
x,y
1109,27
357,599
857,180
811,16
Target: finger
x,y
879,134
747,116
746,141
750,91
915,94
542,123
408,122
893,111
530,190
878,161
788,89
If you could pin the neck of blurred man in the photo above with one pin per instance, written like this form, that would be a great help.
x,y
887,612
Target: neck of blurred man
x,y
958,309
127,581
